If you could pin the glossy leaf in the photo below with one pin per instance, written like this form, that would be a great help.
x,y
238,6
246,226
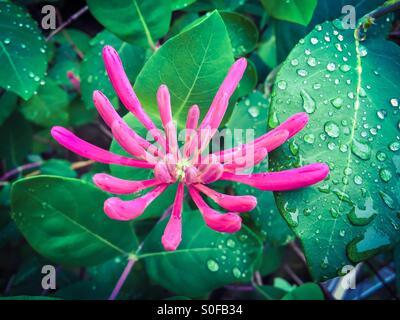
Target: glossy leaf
x,y
22,51
48,107
252,113
192,65
205,259
63,220
354,128
93,73
136,21
297,11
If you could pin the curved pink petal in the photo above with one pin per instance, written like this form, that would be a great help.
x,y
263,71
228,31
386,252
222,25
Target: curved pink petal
x,y
270,141
228,202
125,92
164,105
162,174
121,133
172,236
120,186
87,150
283,180
118,209
247,161
109,115
191,175
228,222
212,173
293,124
191,132
217,109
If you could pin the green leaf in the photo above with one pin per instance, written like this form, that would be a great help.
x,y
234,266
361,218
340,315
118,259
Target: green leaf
x,y
248,82
180,4
63,220
271,260
48,107
22,51
161,203
8,102
205,260
93,73
252,113
15,140
288,34
192,65
242,32
297,11
136,21
307,291
354,128
58,167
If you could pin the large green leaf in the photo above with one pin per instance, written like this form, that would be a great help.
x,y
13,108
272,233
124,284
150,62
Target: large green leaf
x,y
161,203
252,113
8,102
354,128
192,65
137,21
93,73
15,140
297,11
63,220
22,51
288,34
48,107
307,291
205,260
242,32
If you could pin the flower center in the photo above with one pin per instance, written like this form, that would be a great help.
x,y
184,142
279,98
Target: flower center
x,y
181,166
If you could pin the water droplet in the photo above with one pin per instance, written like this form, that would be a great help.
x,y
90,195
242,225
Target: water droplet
x,y
332,129
331,67
309,138
395,146
361,150
302,73
7,41
361,216
254,111
312,62
381,156
394,102
314,41
294,62
236,272
337,102
294,148
358,180
212,265
385,175
342,233
231,243
388,200
324,263
282,84
308,101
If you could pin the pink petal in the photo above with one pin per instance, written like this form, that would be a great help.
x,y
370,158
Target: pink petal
x,y
283,180
122,134
109,115
162,174
76,83
191,175
120,186
217,109
118,209
172,140
270,141
87,150
213,173
172,236
191,133
245,162
170,161
164,105
228,202
125,92
228,222
294,124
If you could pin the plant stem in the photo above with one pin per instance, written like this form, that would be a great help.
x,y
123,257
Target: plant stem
x,y
122,278
20,169
71,19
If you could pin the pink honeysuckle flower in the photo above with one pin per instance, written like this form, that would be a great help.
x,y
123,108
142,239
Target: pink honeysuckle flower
x,y
189,167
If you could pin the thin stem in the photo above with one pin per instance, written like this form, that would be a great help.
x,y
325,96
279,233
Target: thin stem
x,y
71,19
122,279
20,169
